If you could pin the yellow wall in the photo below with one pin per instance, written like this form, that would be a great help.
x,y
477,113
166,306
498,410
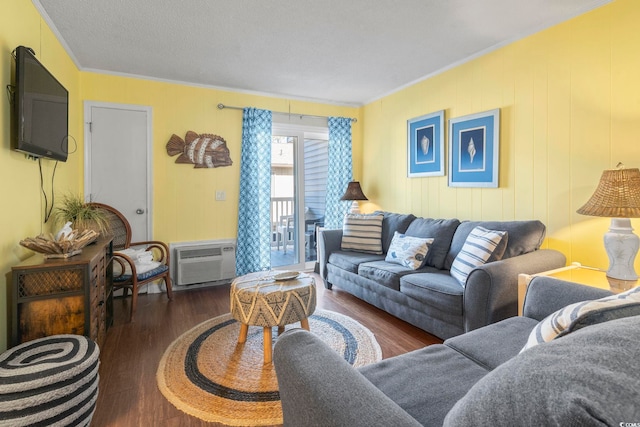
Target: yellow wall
x,y
569,99
184,198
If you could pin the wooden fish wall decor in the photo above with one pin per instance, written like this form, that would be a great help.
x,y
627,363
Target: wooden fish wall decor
x,y
202,151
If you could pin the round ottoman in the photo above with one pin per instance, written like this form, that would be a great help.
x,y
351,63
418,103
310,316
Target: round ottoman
x,y
272,298
51,380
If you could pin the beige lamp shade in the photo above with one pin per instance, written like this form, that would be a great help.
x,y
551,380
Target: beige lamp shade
x,y
617,195
354,192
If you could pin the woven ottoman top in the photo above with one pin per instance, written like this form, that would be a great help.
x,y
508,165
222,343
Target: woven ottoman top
x,y
259,299
49,381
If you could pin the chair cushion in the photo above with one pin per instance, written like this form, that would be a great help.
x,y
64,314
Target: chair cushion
x,y
349,261
581,314
362,233
426,382
437,289
408,251
587,378
143,276
480,245
494,344
384,273
441,230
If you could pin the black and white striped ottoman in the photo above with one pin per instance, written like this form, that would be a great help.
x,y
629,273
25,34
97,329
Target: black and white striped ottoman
x,y
49,381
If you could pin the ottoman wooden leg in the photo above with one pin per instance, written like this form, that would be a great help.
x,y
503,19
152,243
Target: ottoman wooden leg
x,y
267,345
304,323
242,338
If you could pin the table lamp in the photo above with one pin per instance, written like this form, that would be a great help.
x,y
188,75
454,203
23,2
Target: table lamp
x,y
618,197
354,192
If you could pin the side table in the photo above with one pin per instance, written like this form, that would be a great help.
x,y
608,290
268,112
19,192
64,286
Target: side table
x,y
272,298
578,273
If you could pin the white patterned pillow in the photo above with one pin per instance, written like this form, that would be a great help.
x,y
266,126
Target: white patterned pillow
x,y
408,250
479,246
362,233
584,313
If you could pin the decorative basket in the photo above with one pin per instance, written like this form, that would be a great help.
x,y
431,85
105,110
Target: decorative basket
x,y
63,247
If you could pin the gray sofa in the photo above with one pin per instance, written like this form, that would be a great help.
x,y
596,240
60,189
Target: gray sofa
x,y
429,297
588,377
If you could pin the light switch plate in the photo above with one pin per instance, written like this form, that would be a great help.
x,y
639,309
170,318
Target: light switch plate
x,y
220,195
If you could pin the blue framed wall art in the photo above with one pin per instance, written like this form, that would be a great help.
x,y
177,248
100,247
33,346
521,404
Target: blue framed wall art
x,y
425,145
474,149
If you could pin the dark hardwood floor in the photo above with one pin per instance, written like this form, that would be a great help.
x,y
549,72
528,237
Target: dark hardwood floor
x,y
129,395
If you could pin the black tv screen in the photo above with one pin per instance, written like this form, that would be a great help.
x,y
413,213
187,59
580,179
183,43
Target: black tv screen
x,y
41,109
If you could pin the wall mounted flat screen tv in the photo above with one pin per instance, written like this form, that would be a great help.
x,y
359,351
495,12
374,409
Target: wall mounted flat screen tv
x,y
41,110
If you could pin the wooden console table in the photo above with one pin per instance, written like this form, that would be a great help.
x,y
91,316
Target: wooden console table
x,y
64,296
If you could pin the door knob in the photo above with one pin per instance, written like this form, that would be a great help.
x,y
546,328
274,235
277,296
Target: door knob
x,y
139,211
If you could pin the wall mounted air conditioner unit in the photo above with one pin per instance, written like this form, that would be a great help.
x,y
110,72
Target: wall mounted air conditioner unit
x,y
200,263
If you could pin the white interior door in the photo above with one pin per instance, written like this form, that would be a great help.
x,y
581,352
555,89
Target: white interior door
x,y
117,161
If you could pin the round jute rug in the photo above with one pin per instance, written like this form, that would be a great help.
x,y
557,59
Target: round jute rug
x,y
207,374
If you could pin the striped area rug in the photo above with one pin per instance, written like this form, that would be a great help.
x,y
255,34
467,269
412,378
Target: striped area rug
x,y
207,374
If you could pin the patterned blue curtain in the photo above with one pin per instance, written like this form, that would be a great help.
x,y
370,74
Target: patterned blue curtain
x,y
254,208
339,171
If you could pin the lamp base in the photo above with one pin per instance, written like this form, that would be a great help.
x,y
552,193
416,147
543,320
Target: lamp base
x,y
617,285
622,247
355,208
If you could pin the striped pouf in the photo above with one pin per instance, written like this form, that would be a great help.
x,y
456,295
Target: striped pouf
x,y
49,381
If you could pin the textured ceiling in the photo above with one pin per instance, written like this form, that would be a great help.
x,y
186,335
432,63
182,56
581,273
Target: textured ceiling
x,y
337,51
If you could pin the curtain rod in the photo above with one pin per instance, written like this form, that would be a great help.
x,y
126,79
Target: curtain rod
x,y
221,106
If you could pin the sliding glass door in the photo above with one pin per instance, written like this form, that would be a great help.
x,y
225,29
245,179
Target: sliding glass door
x,y
298,190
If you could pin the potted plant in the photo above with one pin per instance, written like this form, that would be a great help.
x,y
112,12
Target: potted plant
x,y
82,215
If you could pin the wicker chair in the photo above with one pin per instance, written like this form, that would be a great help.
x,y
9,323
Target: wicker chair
x,y
121,230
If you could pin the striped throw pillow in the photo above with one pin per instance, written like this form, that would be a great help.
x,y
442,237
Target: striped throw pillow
x,y
362,233
584,313
477,249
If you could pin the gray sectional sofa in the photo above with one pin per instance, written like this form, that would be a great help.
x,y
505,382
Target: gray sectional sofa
x,y
587,377
429,297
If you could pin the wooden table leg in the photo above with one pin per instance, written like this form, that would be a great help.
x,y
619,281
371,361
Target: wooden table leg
x,y
243,333
267,345
304,323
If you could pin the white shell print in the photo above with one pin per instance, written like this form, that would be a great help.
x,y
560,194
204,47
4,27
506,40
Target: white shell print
x,y
424,143
471,149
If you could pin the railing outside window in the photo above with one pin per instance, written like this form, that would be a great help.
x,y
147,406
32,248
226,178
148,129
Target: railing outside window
x,y
280,207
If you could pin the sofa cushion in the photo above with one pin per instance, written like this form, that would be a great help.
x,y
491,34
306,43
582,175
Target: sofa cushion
x,y
362,233
349,261
384,273
494,344
415,381
436,289
391,223
441,230
587,378
524,237
408,251
581,314
481,244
